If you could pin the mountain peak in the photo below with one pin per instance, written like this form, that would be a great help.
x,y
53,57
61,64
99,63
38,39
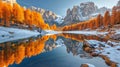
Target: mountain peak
x,y
49,16
87,3
118,4
78,12
83,12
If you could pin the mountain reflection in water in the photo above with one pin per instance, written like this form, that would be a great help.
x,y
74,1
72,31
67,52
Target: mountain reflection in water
x,y
13,53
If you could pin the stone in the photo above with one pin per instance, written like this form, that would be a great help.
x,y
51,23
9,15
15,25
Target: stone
x,y
88,49
94,54
84,65
113,65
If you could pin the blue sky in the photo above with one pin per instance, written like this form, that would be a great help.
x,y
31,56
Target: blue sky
x,y
60,6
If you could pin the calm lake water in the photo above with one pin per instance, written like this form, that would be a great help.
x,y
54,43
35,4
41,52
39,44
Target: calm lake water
x,y
63,50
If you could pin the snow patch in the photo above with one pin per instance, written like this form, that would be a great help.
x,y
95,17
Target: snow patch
x,y
10,34
52,32
90,65
117,31
112,52
59,19
86,32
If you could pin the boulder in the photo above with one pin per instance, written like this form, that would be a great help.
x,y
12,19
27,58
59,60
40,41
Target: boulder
x,y
84,65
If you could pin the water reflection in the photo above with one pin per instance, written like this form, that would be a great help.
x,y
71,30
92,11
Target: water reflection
x,y
81,38
11,52
16,52
74,44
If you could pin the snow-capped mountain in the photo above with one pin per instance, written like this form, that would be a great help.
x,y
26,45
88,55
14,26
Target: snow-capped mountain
x,y
118,4
49,16
78,13
83,12
59,20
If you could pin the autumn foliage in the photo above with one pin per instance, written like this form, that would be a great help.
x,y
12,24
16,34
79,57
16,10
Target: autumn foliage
x,y
16,52
17,15
81,38
53,27
108,20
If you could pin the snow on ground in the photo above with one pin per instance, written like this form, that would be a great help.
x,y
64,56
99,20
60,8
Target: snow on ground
x,y
90,65
117,31
51,32
112,52
87,32
10,34
87,65
95,43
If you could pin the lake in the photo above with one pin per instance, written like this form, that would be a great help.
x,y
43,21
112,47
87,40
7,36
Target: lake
x,y
60,50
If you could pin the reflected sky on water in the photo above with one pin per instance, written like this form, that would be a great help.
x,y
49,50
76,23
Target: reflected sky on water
x,y
64,50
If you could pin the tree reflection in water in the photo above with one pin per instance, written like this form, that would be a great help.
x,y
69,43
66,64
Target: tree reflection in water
x,y
74,43
16,52
11,52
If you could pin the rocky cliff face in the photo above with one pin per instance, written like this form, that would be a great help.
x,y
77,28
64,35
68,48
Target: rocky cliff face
x,y
47,15
88,8
73,15
83,12
118,4
102,10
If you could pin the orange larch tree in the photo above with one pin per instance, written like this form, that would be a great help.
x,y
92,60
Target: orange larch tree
x,y
106,19
118,17
113,16
18,13
98,21
27,14
6,12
